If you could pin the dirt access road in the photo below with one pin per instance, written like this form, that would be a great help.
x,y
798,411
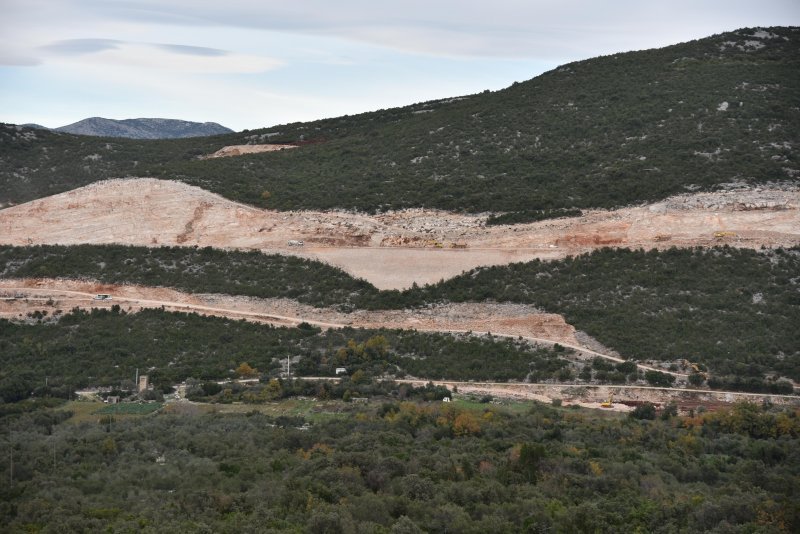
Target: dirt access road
x,y
20,297
395,249
626,397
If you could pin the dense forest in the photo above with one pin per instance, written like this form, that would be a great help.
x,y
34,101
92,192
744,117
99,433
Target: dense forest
x,y
733,310
403,467
603,132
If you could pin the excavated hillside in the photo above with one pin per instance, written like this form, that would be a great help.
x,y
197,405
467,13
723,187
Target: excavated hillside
x,y
395,249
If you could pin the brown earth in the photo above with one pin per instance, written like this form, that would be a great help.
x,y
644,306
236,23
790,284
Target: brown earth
x,y
395,249
19,298
625,398
241,150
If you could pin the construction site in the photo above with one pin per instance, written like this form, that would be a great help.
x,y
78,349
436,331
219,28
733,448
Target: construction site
x,y
394,250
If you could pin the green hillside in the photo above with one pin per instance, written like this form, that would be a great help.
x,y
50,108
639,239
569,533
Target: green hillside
x,y
603,132
401,467
732,310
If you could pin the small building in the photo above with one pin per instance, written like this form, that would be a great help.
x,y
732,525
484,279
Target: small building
x,y
144,383
112,399
341,370
446,399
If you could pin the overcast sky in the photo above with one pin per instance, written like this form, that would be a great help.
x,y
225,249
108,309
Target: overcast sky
x,y
256,63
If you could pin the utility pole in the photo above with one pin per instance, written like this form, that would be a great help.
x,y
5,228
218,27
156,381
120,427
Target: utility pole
x,y
288,366
12,465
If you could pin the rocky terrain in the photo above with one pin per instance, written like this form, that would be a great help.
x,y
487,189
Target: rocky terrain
x,y
20,298
383,248
242,150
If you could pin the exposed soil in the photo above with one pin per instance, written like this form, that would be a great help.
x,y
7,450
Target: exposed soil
x,y
18,298
241,150
625,398
395,249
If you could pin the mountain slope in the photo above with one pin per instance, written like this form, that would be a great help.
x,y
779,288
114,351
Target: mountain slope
x,y
144,128
604,132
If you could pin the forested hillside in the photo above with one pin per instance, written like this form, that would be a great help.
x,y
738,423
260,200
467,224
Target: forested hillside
x,y
733,310
110,344
603,132
403,467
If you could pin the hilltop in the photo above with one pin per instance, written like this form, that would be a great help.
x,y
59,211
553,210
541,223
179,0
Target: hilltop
x,y
606,132
143,128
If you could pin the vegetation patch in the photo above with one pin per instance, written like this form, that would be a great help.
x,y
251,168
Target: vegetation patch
x,y
110,345
129,408
199,270
406,466
523,217
732,310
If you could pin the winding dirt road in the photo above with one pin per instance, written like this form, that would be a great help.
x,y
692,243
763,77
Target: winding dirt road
x,y
20,297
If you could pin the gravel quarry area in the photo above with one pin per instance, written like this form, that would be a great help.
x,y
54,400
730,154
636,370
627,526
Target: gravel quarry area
x,y
18,297
396,249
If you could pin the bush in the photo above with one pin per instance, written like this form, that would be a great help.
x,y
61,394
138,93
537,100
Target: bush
x,y
657,378
644,411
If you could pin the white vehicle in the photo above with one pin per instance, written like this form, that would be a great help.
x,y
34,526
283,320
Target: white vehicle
x,y
102,296
295,243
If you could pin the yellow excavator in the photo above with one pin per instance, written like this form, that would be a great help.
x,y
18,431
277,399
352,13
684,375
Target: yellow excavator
x,y
695,367
608,403
722,235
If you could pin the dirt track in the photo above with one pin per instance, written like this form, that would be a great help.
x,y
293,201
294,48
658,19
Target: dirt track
x,y
396,249
20,297
626,397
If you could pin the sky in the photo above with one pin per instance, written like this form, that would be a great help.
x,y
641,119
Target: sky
x,y
257,63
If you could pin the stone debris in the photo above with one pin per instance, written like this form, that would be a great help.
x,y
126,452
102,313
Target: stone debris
x,y
395,249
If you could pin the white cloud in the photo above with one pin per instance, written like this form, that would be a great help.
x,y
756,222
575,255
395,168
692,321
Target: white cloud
x,y
534,29
502,28
160,57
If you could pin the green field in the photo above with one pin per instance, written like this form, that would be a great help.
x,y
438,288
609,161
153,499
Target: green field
x,y
129,408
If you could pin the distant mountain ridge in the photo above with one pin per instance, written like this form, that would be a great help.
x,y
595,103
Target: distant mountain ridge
x,y
144,128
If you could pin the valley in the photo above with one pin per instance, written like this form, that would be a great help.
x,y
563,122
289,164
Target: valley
x,y
569,305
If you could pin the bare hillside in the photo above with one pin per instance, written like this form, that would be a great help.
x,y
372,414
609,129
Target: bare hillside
x,y
395,249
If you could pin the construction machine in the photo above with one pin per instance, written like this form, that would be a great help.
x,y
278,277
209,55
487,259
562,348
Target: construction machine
x,y
608,403
722,235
